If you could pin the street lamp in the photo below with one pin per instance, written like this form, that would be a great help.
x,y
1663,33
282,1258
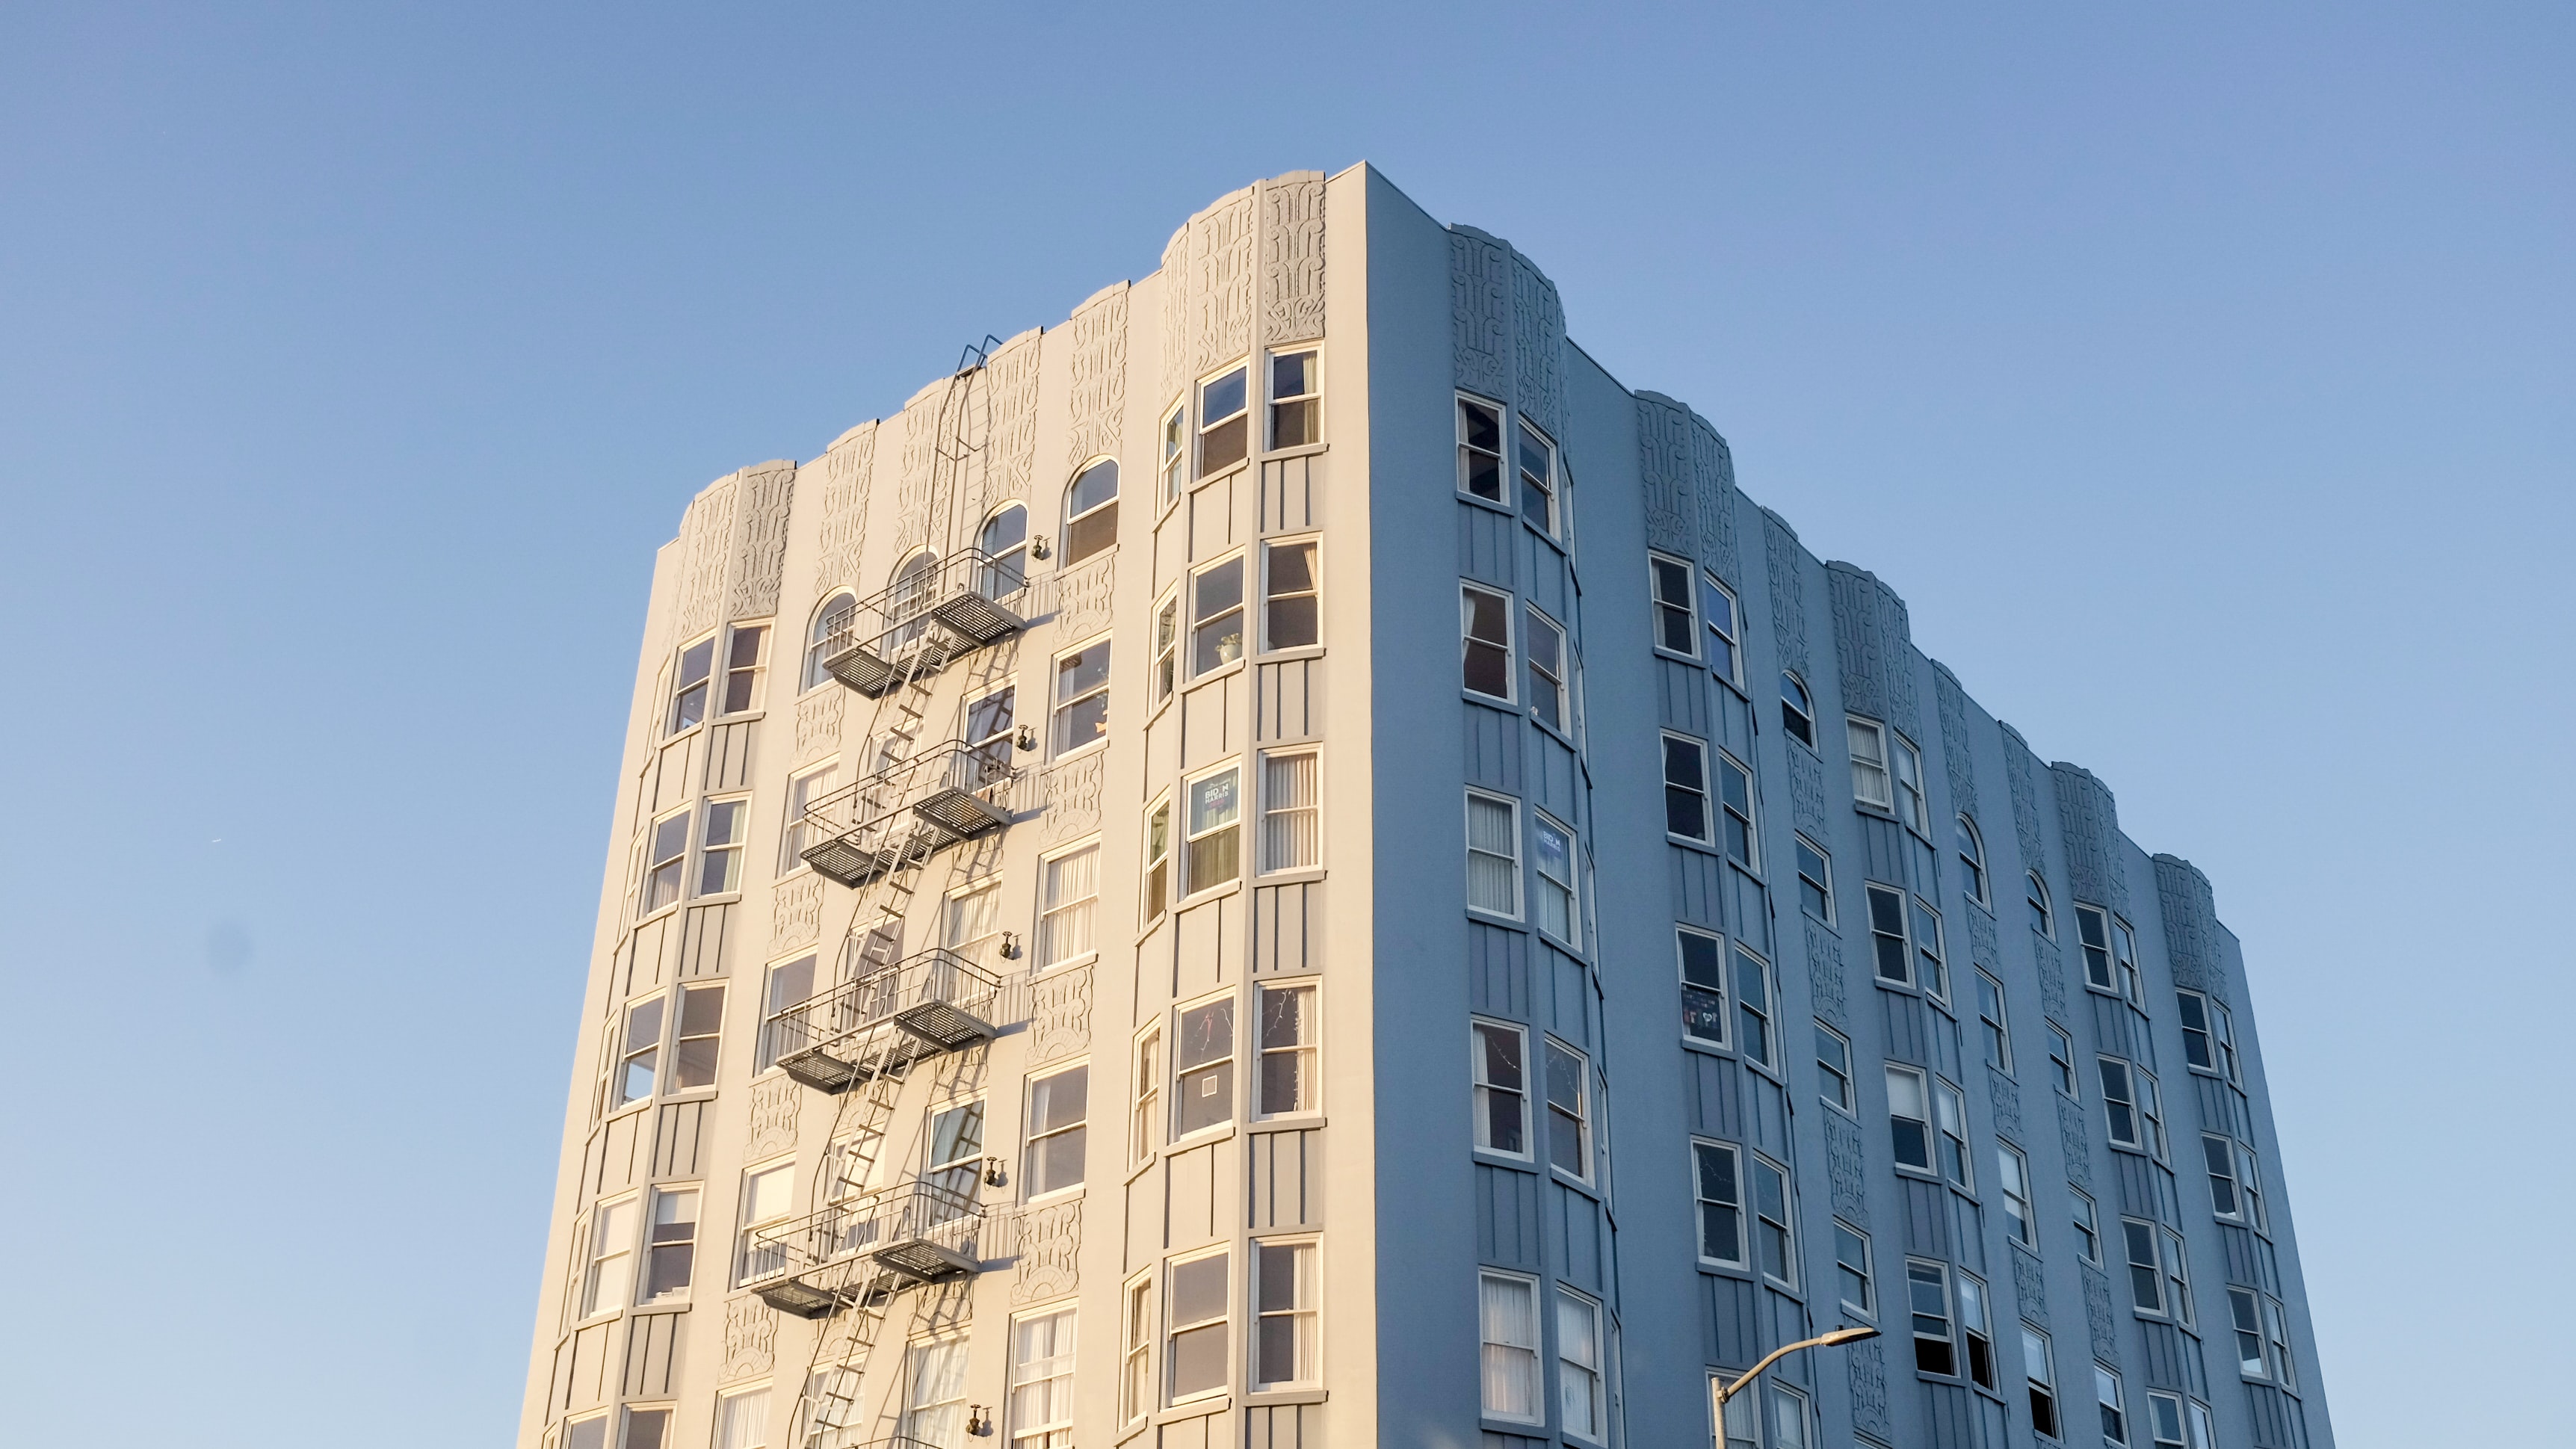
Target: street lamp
x,y
1727,1391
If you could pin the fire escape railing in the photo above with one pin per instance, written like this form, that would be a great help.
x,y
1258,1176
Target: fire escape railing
x,y
929,1002
949,792
928,618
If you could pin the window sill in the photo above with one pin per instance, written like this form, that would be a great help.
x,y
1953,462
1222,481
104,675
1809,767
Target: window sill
x,y
1489,505
1196,899
1497,1424
1056,1197
1491,1158
1751,873
1566,1179
1197,1138
1701,846
1736,685
1496,918
1078,751
1555,732
1225,474
1300,450
1919,1174
1292,654
1288,1122
1301,875
657,913
1231,666
1489,701
715,898
1290,1395
1741,1272
1198,1408
1675,655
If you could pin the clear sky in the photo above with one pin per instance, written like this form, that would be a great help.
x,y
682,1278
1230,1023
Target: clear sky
x,y
2200,374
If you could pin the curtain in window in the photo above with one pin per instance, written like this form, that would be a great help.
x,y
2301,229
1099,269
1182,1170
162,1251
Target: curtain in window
x,y
1290,837
1072,883
742,1421
935,1408
1042,1382
1493,856
1510,1331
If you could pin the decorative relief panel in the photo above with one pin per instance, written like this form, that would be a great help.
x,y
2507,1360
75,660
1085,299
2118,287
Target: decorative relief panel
x,y
1843,1164
2191,925
849,469
1783,556
1480,300
2052,977
2097,1315
2089,822
2030,1285
1292,257
1871,652
705,535
1098,336
818,724
762,496
1538,347
750,1338
1221,241
1010,458
2021,771
927,421
1713,464
1663,463
1050,1239
1981,932
1868,1374
796,913
774,1101
1956,757
1081,602
1073,796
1825,972
1059,1014
1807,792
1174,328
2075,1142
2005,1095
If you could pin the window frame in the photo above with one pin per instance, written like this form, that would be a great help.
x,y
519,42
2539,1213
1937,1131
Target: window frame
x,y
1729,818
1190,842
746,1205
1855,729
1818,885
1937,1277
1060,705
1735,1207
1848,1102
1018,1379
1890,947
1798,716
2021,1222
808,957
1037,1138
1913,803
1167,646
2085,1216
2043,904
1139,1391
1145,1122
1242,562
1175,447
1522,432
1707,838
1722,992
1305,1313
1533,1363
1664,610
1994,1017
1053,916
1581,1116
1077,551
1971,846
1313,396
1202,470
1596,1371
801,796
1307,1051
1929,1167
1552,706
683,684
1155,877
757,671
1748,1012
1571,934
2111,1399
1764,1225
1726,659
1867,1309
736,810
649,903
2039,1376
1173,1328
1482,1089
1271,596
1502,497
1273,813
1520,904
2061,1059
1222,1067
1469,640
598,1298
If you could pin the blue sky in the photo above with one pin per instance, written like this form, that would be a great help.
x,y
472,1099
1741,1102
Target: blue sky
x,y
2201,375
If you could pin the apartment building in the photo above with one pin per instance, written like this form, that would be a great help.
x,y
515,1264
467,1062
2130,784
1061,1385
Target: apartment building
x,y
1289,863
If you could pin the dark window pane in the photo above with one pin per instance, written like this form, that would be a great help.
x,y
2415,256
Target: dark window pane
x,y
1703,1015
1222,398
1223,446
1685,813
696,1062
1482,427
1913,1147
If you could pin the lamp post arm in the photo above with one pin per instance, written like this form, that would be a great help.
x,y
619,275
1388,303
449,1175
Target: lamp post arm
x,y
1755,1372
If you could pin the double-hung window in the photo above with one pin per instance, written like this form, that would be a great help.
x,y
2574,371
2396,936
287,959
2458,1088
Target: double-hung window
x,y
1041,1401
1216,616
1289,1081
693,1054
1927,1290
640,1064
2159,1283
2235,1190
611,1273
1485,642
1869,763
1068,906
2043,918
1508,1342
2093,934
1204,1064
1082,697
2124,947
1291,833
1145,1125
1686,789
988,733
1198,1354
1538,480
1136,1353
1735,812
1774,1237
665,859
768,1197
790,983
1291,617
1501,1088
1552,852
1887,935
1754,1036
1296,417
1717,1187
2012,1174
2165,1422
1285,1297
934,1391
1951,1113
1974,1331
1569,1111
1224,426
802,791
1852,1270
1212,852
1928,956
1158,859
1909,1118
1797,710
2061,1060
2208,1036
1676,613
1579,1361
1090,512
1703,986
742,1419
1480,450
1167,647
1493,855
1815,881
1972,859
2039,1368
1547,671
1834,1068
1908,763
1994,1030
2115,1413
2088,1229
689,695
746,663
1059,1126
1176,451
2246,1313
1725,628
671,1252
721,832
2135,1117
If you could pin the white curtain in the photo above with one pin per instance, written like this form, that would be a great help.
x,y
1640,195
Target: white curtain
x,y
1493,856
1290,837
1510,1331
1072,886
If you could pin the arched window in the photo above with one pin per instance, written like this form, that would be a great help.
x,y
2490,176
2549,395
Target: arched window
x,y
1091,512
831,619
2042,919
1005,541
1972,859
1797,711
909,605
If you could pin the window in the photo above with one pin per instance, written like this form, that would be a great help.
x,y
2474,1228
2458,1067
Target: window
x,y
1176,452
1797,710
1547,671
742,1419
1212,852
1291,832
1887,935
802,791
1041,1403
612,1257
1869,764
1772,1233
1167,648
1815,881
1685,789
2129,1102
693,1056
1004,540
1975,1333
1507,1333
1717,605
1735,801
2158,1278
1284,1299
2012,1174
1753,1009
1224,427
1909,788
768,1196
971,923
1852,1271
1205,1063
1952,1114
2042,1375
2088,1232
1290,614
1158,859
2042,918
591,1433
1136,1354
641,1061
746,664
1502,1089
954,1156
790,984
2115,1419
1996,1031
988,733
1082,697
1480,450
2061,1059
1927,951
1676,621
1578,1365
1788,1418
1569,1112
1909,1118
2244,1311
2124,946
1717,1187
934,1397
1553,853
1216,616
689,695
645,1429
2231,1195
1485,638
2276,1325
2204,1429
1703,987
665,858
1834,1068
1289,1082
1058,1129
1296,416
2208,1036
720,837
1538,480
1927,1287
1197,1351
828,636
2164,1421
1068,905
1493,855
1145,1132
2093,933
1090,512
1972,859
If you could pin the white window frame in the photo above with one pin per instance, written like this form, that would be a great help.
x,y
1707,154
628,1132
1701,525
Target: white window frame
x,y
1723,807
1715,997
1145,1115
1581,1116
682,823
1138,1390
1847,1101
818,638
1194,840
1159,857
1272,596
729,666
1173,1328
1040,1136
1198,624
1313,396
1549,487
1667,610
1921,1117
739,1425
1950,1117
1821,882
1994,1020
600,1296
2109,1397
1221,1067
1763,1225
2086,1218
1201,467
2061,1061
1499,452
1874,895
1483,1091
1704,1151
1798,715
2039,1377
1059,706
1107,507
1563,890
704,682
1582,1365
1304,1313
1063,916
1913,807
746,1212
1873,783
1523,1362
1867,1308
1167,647
1748,1011
1727,661
1026,1381
1664,761
803,789
923,1418
1305,1051
1469,640
732,814
1972,860
1513,807
1284,827
1547,691
2012,1179
1947,1317
1175,461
